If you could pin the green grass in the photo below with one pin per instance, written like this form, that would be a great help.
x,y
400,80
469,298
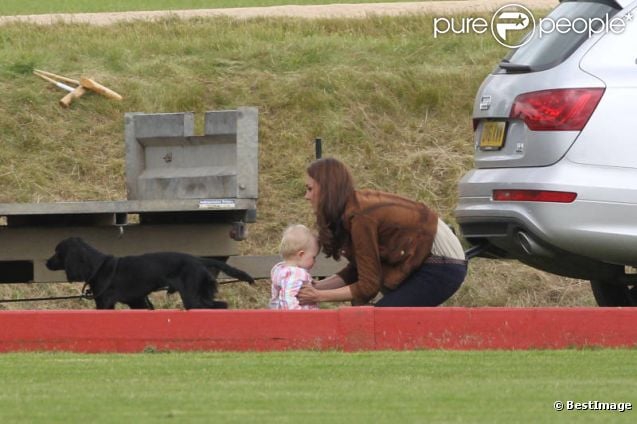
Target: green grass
x,y
315,387
388,99
26,7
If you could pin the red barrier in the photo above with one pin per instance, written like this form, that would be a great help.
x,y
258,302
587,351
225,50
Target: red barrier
x,y
348,329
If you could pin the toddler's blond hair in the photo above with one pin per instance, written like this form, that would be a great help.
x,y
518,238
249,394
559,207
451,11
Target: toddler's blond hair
x,y
295,238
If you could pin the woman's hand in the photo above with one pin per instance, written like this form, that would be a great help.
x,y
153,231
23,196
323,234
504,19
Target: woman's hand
x,y
308,295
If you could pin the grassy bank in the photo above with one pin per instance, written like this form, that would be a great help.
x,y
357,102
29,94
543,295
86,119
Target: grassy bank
x,y
387,98
27,7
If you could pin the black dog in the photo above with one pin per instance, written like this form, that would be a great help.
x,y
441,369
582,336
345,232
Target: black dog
x,y
130,279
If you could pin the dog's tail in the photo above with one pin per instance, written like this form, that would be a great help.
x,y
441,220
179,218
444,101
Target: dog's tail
x,y
227,269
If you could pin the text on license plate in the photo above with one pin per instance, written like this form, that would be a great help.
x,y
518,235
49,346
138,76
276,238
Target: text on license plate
x,y
492,136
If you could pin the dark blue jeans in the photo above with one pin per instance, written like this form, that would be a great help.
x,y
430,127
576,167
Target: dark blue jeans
x,y
429,285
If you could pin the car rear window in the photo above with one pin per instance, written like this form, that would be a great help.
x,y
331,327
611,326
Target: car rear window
x,y
552,48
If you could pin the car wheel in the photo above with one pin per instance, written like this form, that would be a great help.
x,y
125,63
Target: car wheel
x,y
608,294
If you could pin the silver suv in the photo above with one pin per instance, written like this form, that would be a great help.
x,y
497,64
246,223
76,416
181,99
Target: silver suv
x,y
555,178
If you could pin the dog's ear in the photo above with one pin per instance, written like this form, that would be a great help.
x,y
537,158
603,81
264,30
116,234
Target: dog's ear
x,y
76,267
80,261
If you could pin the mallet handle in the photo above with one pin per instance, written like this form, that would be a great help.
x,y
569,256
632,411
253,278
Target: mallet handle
x,y
56,76
58,84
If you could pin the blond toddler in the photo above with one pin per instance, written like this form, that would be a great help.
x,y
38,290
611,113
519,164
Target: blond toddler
x,y
299,248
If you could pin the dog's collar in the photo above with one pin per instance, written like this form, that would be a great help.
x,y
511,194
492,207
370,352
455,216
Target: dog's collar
x,y
97,270
88,293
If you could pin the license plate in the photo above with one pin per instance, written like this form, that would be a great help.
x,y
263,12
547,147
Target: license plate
x,y
492,136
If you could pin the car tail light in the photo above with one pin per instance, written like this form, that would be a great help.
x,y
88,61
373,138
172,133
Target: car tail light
x,y
533,196
556,110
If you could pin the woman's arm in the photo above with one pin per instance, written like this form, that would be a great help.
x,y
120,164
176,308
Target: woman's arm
x,y
331,282
330,289
309,294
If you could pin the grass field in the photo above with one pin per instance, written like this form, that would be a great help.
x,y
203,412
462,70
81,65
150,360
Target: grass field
x,y
313,387
26,7
387,98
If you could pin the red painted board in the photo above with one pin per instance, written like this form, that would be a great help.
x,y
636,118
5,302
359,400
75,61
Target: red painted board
x,y
135,331
505,328
348,329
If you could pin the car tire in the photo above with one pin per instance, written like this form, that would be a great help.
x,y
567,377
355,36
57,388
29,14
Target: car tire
x,y
609,294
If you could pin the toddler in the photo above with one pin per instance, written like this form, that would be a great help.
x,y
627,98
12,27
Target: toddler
x,y
298,248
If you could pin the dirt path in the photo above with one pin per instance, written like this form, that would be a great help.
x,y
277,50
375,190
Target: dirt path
x,y
319,11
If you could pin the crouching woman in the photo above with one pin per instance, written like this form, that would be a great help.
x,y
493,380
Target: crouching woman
x,y
395,246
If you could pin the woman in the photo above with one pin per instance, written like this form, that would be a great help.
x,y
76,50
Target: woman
x,y
394,245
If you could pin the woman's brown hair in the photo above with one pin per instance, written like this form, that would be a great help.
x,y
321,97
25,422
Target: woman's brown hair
x,y
336,187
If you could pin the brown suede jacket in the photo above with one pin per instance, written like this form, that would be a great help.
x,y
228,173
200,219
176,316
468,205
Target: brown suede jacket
x,y
390,236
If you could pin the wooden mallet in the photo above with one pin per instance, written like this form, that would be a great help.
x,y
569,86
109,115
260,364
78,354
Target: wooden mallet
x,y
81,87
92,85
88,84
75,94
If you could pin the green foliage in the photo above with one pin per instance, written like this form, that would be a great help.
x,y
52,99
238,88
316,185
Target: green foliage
x,y
379,387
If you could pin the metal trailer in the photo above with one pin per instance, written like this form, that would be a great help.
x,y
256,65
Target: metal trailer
x,y
186,193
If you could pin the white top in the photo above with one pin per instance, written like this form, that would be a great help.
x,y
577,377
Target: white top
x,y
286,283
446,243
